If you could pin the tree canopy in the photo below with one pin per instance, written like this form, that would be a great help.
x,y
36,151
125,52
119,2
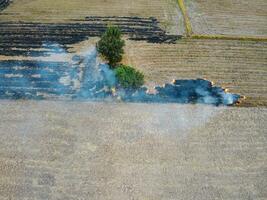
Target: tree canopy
x,y
129,77
111,45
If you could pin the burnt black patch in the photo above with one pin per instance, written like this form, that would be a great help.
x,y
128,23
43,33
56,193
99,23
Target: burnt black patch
x,y
185,91
22,38
4,4
34,79
28,79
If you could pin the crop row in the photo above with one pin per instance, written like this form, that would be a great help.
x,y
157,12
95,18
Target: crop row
x,y
35,35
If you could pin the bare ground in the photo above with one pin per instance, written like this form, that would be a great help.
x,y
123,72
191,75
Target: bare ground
x,y
76,150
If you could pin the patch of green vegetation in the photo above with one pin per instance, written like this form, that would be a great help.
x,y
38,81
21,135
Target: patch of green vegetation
x,y
129,77
187,22
111,45
229,37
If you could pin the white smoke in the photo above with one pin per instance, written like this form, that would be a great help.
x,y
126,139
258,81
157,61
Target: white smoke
x,y
86,77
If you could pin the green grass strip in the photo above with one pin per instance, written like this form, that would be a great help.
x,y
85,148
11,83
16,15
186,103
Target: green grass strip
x,y
187,22
229,37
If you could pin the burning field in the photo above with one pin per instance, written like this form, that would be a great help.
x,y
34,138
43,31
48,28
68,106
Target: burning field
x,y
85,78
33,33
239,66
194,130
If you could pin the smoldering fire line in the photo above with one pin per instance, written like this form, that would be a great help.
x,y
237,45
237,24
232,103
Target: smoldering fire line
x,y
85,78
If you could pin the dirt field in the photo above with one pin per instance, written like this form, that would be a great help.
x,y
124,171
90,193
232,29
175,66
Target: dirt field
x,y
72,150
166,11
237,65
238,17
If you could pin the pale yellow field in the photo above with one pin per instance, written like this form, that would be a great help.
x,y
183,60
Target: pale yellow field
x,y
228,17
99,151
240,66
166,11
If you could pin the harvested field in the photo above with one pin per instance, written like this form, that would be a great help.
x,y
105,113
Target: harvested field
x,y
20,38
64,150
85,78
75,149
166,11
236,65
240,66
228,17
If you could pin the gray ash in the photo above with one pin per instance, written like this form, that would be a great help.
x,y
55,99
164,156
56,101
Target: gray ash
x,y
185,91
83,78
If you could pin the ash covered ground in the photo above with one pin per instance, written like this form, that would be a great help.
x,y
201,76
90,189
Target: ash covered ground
x,y
84,77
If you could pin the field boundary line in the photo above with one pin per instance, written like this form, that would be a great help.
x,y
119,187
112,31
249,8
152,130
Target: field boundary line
x,y
229,37
187,22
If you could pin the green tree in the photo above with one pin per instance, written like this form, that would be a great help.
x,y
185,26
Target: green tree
x,y
128,77
111,45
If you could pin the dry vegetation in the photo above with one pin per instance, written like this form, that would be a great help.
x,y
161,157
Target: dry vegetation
x,y
66,150
26,38
238,17
76,150
237,65
166,11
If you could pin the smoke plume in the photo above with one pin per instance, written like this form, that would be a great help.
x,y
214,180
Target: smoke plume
x,y
85,77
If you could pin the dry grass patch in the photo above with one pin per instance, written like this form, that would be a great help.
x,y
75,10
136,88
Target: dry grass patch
x,y
65,150
239,17
167,11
